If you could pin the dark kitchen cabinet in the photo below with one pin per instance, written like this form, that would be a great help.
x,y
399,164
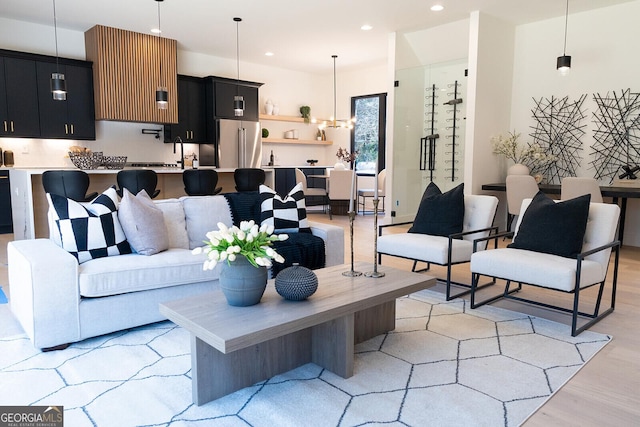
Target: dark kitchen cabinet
x,y
191,126
224,92
18,98
6,221
75,117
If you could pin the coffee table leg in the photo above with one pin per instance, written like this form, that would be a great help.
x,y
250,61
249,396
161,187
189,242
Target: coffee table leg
x,y
215,374
332,345
375,321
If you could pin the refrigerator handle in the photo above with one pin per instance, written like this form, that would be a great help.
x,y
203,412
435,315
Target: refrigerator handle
x,y
242,147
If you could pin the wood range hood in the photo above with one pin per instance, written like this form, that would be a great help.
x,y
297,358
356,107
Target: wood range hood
x,y
127,69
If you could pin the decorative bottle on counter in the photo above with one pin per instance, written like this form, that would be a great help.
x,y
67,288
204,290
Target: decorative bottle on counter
x,y
271,159
195,163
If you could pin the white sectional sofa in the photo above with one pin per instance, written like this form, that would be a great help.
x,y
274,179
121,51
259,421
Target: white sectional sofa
x,y
59,301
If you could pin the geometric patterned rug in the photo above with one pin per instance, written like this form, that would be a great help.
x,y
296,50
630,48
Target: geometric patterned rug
x,y
443,365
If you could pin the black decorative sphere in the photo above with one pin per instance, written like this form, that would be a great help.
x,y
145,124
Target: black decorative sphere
x,y
296,283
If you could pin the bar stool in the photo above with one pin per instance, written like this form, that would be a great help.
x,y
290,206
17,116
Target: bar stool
x,y
248,179
200,182
138,179
72,184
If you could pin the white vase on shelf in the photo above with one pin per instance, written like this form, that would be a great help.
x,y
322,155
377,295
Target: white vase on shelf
x,y
276,109
268,107
518,169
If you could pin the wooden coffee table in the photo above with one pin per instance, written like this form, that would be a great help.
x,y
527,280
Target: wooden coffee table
x,y
235,347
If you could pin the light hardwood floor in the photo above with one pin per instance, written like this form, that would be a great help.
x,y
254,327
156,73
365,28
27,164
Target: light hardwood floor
x,y
606,392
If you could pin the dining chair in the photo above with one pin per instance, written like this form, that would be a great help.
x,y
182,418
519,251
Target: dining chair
x,y
370,192
248,179
573,186
519,187
312,191
339,187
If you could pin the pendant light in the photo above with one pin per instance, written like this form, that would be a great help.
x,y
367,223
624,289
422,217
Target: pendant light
x,y
238,100
162,95
563,64
58,83
334,122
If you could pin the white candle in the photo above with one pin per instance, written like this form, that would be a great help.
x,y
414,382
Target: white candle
x,y
375,186
353,186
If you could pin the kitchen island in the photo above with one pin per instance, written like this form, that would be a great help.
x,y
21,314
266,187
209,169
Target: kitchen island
x,y
29,203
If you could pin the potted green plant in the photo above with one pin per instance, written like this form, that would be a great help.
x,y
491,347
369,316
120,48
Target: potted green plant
x,y
305,110
265,133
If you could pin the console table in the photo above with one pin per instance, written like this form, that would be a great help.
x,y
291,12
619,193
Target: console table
x,y
616,193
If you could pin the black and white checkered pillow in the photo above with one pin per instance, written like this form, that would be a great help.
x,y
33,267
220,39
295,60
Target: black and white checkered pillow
x,y
286,216
92,230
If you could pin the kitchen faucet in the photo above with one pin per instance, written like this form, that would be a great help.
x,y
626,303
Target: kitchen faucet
x,y
181,161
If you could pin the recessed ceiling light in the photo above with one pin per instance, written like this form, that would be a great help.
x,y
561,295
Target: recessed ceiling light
x,y
268,53
366,27
156,31
437,7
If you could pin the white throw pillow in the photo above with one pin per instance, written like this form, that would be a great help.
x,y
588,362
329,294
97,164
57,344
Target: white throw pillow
x,y
143,223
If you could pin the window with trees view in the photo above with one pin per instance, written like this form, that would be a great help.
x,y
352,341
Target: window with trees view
x,y
368,135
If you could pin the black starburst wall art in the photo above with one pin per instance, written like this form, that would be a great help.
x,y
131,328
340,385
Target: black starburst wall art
x,y
558,131
616,151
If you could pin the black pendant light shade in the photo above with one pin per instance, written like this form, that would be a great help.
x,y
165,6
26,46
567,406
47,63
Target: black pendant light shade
x,y
563,63
58,84
162,94
58,87
162,98
238,100
238,105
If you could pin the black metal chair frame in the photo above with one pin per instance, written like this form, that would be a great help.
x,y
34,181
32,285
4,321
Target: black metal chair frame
x,y
493,230
594,317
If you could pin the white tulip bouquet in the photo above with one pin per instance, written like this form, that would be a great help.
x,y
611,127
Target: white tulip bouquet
x,y
249,240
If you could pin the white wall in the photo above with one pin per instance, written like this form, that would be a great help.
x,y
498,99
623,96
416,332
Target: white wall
x,y
603,45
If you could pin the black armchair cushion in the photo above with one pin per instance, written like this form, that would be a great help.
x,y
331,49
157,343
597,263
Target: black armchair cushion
x,y
440,214
553,227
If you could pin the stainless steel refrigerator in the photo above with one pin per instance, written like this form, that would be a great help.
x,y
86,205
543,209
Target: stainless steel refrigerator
x,y
238,144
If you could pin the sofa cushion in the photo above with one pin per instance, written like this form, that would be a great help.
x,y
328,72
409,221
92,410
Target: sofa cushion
x,y
175,222
142,223
551,227
134,272
288,214
90,231
203,213
440,214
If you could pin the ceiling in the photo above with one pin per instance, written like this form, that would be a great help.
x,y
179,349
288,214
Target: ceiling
x,y
302,35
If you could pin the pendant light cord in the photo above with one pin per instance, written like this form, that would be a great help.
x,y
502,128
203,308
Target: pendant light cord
x,y
335,112
160,43
237,54
55,32
566,23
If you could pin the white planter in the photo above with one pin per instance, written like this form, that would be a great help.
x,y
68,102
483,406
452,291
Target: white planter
x,y
339,166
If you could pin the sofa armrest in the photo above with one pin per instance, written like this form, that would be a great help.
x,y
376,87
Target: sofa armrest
x,y
44,293
333,237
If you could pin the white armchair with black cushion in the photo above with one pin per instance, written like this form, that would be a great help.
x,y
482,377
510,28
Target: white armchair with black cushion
x,y
563,246
442,232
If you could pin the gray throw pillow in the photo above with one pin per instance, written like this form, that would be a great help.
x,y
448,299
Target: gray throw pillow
x,y
143,223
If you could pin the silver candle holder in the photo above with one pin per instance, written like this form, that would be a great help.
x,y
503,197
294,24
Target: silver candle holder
x,y
375,273
352,272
